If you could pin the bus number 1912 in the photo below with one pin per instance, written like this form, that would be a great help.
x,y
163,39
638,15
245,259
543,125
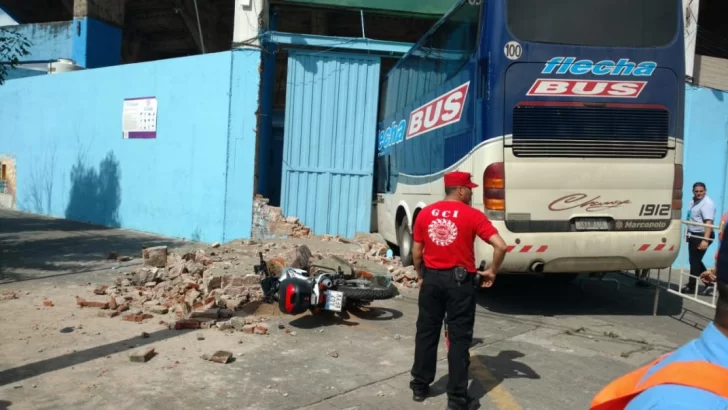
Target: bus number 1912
x,y
655,210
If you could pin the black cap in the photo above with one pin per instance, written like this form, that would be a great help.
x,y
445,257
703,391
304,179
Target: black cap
x,y
721,266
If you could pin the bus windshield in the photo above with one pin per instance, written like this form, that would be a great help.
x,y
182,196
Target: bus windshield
x,y
597,23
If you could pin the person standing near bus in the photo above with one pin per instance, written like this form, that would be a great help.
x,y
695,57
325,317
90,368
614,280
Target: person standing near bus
x,y
695,376
444,258
701,210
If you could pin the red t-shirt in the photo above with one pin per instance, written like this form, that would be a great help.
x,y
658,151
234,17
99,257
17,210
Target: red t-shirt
x,y
448,229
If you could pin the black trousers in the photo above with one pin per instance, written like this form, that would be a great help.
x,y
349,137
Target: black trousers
x,y
440,294
695,257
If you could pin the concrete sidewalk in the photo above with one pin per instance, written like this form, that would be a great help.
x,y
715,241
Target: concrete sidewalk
x,y
537,346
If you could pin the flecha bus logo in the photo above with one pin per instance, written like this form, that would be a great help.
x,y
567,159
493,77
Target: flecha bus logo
x,y
444,110
586,88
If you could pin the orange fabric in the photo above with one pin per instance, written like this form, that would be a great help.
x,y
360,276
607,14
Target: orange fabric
x,y
702,375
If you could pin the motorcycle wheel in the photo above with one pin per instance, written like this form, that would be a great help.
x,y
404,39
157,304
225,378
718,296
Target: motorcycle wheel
x,y
358,289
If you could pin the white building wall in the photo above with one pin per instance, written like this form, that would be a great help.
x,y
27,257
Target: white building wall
x,y
251,18
690,11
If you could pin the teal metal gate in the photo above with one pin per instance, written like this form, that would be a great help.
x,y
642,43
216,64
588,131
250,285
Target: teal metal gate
x,y
329,140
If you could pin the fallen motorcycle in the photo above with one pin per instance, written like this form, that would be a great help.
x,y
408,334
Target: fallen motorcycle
x,y
296,291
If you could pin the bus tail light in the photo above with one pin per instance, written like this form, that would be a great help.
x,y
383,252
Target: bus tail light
x,y
494,190
677,184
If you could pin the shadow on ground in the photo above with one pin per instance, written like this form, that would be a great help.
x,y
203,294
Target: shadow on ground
x,y
33,247
17,374
534,295
487,372
346,318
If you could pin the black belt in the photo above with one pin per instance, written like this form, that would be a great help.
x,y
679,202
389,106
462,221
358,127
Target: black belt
x,y
443,271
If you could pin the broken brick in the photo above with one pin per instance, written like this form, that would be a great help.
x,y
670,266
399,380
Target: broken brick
x,y
112,303
208,314
108,313
249,328
136,318
142,356
186,324
155,256
47,303
221,356
89,303
159,309
261,329
101,290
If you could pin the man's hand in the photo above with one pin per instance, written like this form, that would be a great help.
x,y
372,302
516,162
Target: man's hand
x,y
488,277
708,277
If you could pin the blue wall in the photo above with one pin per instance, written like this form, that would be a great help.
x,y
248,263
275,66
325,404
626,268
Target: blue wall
x,y
96,44
195,180
706,155
50,41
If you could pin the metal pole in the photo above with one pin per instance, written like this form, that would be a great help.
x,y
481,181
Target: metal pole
x,y
657,293
199,28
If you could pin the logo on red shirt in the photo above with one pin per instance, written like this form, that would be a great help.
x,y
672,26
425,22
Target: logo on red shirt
x,y
442,232
448,230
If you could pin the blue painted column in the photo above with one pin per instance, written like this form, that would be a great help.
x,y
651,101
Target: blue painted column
x,y
97,32
265,144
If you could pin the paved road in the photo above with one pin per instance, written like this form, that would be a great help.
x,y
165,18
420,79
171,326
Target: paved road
x,y
537,346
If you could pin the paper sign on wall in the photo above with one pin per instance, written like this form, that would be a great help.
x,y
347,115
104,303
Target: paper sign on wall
x,y
140,118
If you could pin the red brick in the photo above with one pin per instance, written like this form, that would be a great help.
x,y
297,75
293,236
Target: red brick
x,y
112,303
186,324
136,318
47,303
101,290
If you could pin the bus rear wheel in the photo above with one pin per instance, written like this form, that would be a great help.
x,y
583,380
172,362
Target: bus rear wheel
x,y
404,242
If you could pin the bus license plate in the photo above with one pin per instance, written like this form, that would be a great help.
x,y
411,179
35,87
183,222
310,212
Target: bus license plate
x,y
592,225
334,301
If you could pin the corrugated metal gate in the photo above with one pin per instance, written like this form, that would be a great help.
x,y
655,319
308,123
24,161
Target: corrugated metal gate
x,y
329,139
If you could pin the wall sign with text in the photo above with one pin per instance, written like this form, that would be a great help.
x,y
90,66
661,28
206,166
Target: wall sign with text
x,y
140,118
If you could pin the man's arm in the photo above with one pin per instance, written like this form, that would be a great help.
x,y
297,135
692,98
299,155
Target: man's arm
x,y
417,258
499,251
487,232
708,212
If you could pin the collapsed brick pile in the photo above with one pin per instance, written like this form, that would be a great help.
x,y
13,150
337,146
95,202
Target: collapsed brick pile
x,y
405,276
186,286
269,222
205,288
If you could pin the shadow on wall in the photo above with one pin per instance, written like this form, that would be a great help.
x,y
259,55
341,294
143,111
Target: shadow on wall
x,y
95,195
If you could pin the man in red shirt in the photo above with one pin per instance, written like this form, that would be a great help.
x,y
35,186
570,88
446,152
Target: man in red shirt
x,y
444,235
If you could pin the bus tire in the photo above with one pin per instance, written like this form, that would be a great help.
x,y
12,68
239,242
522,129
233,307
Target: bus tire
x,y
404,242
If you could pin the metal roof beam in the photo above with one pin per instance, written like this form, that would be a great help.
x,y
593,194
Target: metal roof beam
x,y
346,43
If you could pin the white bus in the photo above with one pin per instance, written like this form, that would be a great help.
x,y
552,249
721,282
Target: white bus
x,y
573,130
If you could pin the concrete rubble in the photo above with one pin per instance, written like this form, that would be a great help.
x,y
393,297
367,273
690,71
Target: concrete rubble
x,y
206,288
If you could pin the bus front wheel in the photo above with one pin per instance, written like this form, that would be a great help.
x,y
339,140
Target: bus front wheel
x,y
404,241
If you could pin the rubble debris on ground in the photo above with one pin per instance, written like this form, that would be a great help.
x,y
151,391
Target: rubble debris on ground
x,y
143,355
220,356
214,287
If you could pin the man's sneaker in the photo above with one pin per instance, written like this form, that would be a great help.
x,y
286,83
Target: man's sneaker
x,y
472,404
